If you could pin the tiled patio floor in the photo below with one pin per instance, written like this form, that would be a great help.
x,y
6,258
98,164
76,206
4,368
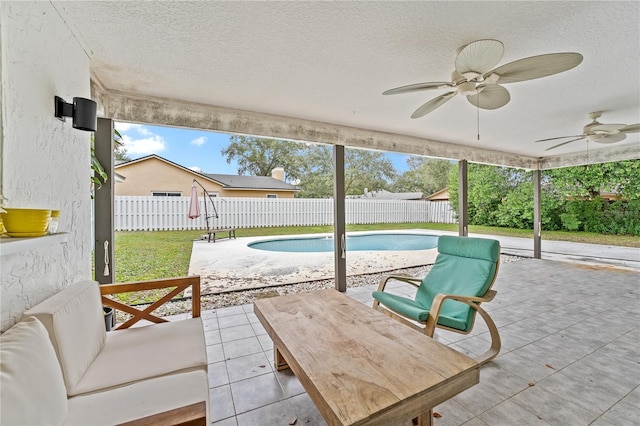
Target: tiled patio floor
x,y
570,355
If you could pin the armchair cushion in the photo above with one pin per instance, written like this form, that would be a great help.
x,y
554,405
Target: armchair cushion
x,y
33,391
406,307
413,310
74,320
476,248
464,266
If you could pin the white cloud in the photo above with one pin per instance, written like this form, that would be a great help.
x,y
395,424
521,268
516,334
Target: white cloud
x,y
199,141
146,146
124,127
196,169
144,131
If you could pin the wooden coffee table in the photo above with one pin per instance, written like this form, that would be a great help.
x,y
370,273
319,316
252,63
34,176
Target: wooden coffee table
x,y
359,366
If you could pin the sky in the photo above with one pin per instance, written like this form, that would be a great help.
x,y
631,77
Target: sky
x,y
194,149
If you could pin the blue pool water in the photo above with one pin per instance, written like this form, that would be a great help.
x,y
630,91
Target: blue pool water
x,y
368,242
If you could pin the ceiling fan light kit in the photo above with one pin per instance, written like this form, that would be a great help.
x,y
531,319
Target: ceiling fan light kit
x,y
476,78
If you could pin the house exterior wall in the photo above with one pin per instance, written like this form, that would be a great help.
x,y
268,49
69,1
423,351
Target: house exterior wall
x,y
144,177
442,195
255,193
45,162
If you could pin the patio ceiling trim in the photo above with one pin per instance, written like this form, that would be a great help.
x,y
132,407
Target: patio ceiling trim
x,y
169,112
614,153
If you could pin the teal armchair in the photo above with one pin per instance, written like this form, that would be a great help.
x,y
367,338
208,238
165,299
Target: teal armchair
x,y
450,295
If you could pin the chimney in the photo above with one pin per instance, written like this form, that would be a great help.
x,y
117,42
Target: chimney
x,y
278,173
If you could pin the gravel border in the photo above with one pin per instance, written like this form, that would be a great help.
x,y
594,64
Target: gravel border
x,y
244,297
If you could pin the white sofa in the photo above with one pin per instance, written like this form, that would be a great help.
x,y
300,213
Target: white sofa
x,y
59,366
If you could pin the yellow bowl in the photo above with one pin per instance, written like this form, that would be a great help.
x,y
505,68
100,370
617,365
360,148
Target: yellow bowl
x,y
26,222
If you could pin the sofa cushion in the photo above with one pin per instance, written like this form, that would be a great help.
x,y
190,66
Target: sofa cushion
x,y
140,399
143,352
33,391
74,319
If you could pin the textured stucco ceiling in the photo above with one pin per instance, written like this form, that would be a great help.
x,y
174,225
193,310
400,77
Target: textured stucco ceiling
x,y
331,61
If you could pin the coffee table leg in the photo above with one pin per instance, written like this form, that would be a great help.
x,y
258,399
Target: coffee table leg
x,y
424,419
280,362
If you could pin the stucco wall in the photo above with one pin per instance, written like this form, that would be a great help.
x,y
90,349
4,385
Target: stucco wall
x,y
143,177
45,162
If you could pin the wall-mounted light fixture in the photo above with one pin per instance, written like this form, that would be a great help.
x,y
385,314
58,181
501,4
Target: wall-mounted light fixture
x,y
83,112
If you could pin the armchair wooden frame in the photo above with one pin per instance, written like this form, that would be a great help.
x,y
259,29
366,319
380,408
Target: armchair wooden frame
x,y
180,284
428,327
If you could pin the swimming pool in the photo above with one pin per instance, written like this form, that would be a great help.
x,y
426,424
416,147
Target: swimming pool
x,y
366,242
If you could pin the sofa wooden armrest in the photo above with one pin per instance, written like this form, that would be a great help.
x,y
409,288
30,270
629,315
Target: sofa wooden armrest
x,y
190,415
179,284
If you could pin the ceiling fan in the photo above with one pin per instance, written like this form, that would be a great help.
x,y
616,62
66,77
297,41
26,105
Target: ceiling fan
x,y
475,78
598,132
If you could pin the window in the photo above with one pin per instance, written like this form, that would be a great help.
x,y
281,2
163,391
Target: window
x,y
272,195
166,194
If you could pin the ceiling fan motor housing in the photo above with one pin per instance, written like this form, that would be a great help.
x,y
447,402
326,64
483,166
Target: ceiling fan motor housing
x,y
468,88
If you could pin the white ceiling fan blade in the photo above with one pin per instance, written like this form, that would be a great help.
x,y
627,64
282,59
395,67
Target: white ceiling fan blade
x,y
564,143
492,96
536,67
607,139
479,56
631,128
433,104
418,86
561,137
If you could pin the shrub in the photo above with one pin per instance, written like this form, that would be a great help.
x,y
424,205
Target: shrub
x,y
570,221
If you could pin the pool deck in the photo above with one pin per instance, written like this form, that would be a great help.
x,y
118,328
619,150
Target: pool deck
x,y
229,265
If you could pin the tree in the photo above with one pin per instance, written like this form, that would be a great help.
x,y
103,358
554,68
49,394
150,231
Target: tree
x,y
119,150
259,156
364,169
317,173
487,187
426,175
516,208
583,209
623,177
499,196
99,175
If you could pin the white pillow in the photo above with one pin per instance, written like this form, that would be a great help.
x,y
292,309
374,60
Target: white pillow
x,y
75,322
33,391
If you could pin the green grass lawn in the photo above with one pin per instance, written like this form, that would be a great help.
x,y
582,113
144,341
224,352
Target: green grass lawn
x,y
164,254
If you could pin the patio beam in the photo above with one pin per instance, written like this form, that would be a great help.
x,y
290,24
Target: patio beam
x,y
170,112
103,205
339,222
463,205
537,214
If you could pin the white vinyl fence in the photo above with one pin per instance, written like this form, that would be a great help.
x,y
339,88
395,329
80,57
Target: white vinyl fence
x,y
170,213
